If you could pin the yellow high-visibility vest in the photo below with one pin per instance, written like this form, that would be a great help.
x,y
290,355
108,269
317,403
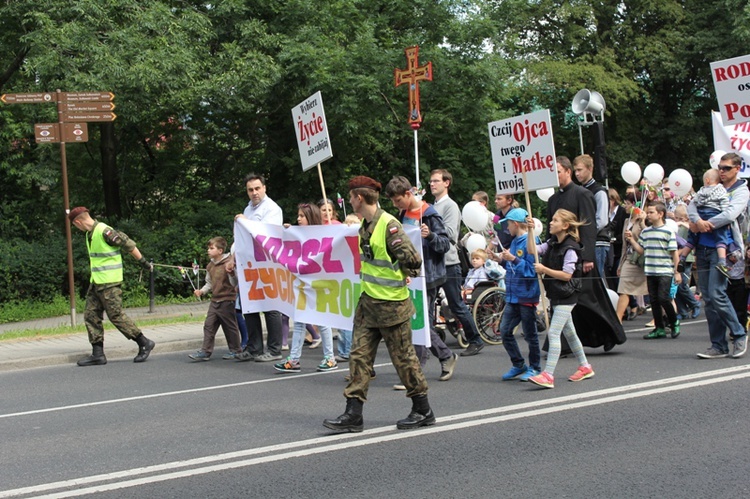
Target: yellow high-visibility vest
x,y
105,260
382,278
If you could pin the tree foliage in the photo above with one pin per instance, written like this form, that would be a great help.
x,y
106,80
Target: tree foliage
x,y
204,92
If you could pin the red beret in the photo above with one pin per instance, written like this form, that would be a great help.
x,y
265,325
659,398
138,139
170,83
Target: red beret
x,y
78,210
365,182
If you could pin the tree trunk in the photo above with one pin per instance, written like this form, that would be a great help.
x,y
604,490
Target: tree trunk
x,y
110,179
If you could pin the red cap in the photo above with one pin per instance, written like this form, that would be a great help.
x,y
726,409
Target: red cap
x,y
366,182
78,210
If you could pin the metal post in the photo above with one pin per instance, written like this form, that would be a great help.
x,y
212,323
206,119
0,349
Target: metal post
x,y
580,135
66,207
151,294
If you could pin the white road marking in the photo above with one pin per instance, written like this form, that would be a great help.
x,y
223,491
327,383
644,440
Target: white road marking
x,y
377,435
279,377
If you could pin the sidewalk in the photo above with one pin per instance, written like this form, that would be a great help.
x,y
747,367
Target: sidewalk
x,y
67,349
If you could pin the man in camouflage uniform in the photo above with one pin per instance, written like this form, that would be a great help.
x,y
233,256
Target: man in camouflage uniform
x,y
384,311
104,245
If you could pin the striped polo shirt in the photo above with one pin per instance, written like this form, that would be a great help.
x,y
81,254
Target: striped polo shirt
x,y
657,243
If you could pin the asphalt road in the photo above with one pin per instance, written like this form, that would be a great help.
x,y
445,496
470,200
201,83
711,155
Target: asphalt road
x,y
654,422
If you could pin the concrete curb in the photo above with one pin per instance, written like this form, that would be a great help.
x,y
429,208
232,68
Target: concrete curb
x,y
114,353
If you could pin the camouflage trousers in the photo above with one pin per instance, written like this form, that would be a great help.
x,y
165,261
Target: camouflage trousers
x,y
107,300
362,357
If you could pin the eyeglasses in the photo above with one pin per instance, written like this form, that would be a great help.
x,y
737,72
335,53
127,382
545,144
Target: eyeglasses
x,y
726,168
435,181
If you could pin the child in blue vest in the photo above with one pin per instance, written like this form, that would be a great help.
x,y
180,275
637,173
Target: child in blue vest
x,y
521,298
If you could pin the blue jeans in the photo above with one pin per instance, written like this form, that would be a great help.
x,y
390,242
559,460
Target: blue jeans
x,y
344,345
513,315
298,339
685,298
452,289
719,311
601,259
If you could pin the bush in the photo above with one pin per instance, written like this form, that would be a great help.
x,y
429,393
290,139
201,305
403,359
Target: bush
x,y
36,272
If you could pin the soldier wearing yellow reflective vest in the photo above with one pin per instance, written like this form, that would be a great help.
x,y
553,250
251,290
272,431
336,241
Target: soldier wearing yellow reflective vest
x,y
105,245
384,311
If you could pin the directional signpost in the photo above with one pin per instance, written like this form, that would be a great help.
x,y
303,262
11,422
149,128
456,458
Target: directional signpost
x,y
74,110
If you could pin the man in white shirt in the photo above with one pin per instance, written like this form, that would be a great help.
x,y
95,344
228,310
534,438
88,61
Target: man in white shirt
x,y
261,208
440,182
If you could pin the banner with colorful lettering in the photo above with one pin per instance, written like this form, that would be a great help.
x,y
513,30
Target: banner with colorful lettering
x,y
732,138
523,143
311,273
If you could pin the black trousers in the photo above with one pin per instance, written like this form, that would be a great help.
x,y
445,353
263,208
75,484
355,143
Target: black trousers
x,y
658,293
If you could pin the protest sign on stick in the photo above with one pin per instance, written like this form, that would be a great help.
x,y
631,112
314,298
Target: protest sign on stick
x,y
732,138
523,145
313,141
732,84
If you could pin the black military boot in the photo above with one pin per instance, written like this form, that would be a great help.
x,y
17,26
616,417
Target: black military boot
x,y
144,348
96,358
350,421
420,415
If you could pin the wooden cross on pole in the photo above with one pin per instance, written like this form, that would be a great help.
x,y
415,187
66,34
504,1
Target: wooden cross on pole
x,y
412,75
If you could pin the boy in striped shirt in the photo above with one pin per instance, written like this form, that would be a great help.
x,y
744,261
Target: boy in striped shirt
x,y
659,246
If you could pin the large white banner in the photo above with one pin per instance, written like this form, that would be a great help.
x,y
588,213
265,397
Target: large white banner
x,y
733,138
311,129
311,273
523,143
732,84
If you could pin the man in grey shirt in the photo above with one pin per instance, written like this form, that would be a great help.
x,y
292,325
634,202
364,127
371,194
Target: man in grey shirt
x,y
261,208
440,182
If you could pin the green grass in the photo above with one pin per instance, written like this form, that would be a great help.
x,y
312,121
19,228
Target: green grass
x,y
63,330
60,306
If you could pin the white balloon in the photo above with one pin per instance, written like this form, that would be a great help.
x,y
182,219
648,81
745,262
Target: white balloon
x,y
475,242
654,173
680,181
715,158
545,194
630,172
475,216
537,227
613,297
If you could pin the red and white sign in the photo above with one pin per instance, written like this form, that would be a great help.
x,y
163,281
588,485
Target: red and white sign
x,y
732,84
312,131
733,138
523,143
